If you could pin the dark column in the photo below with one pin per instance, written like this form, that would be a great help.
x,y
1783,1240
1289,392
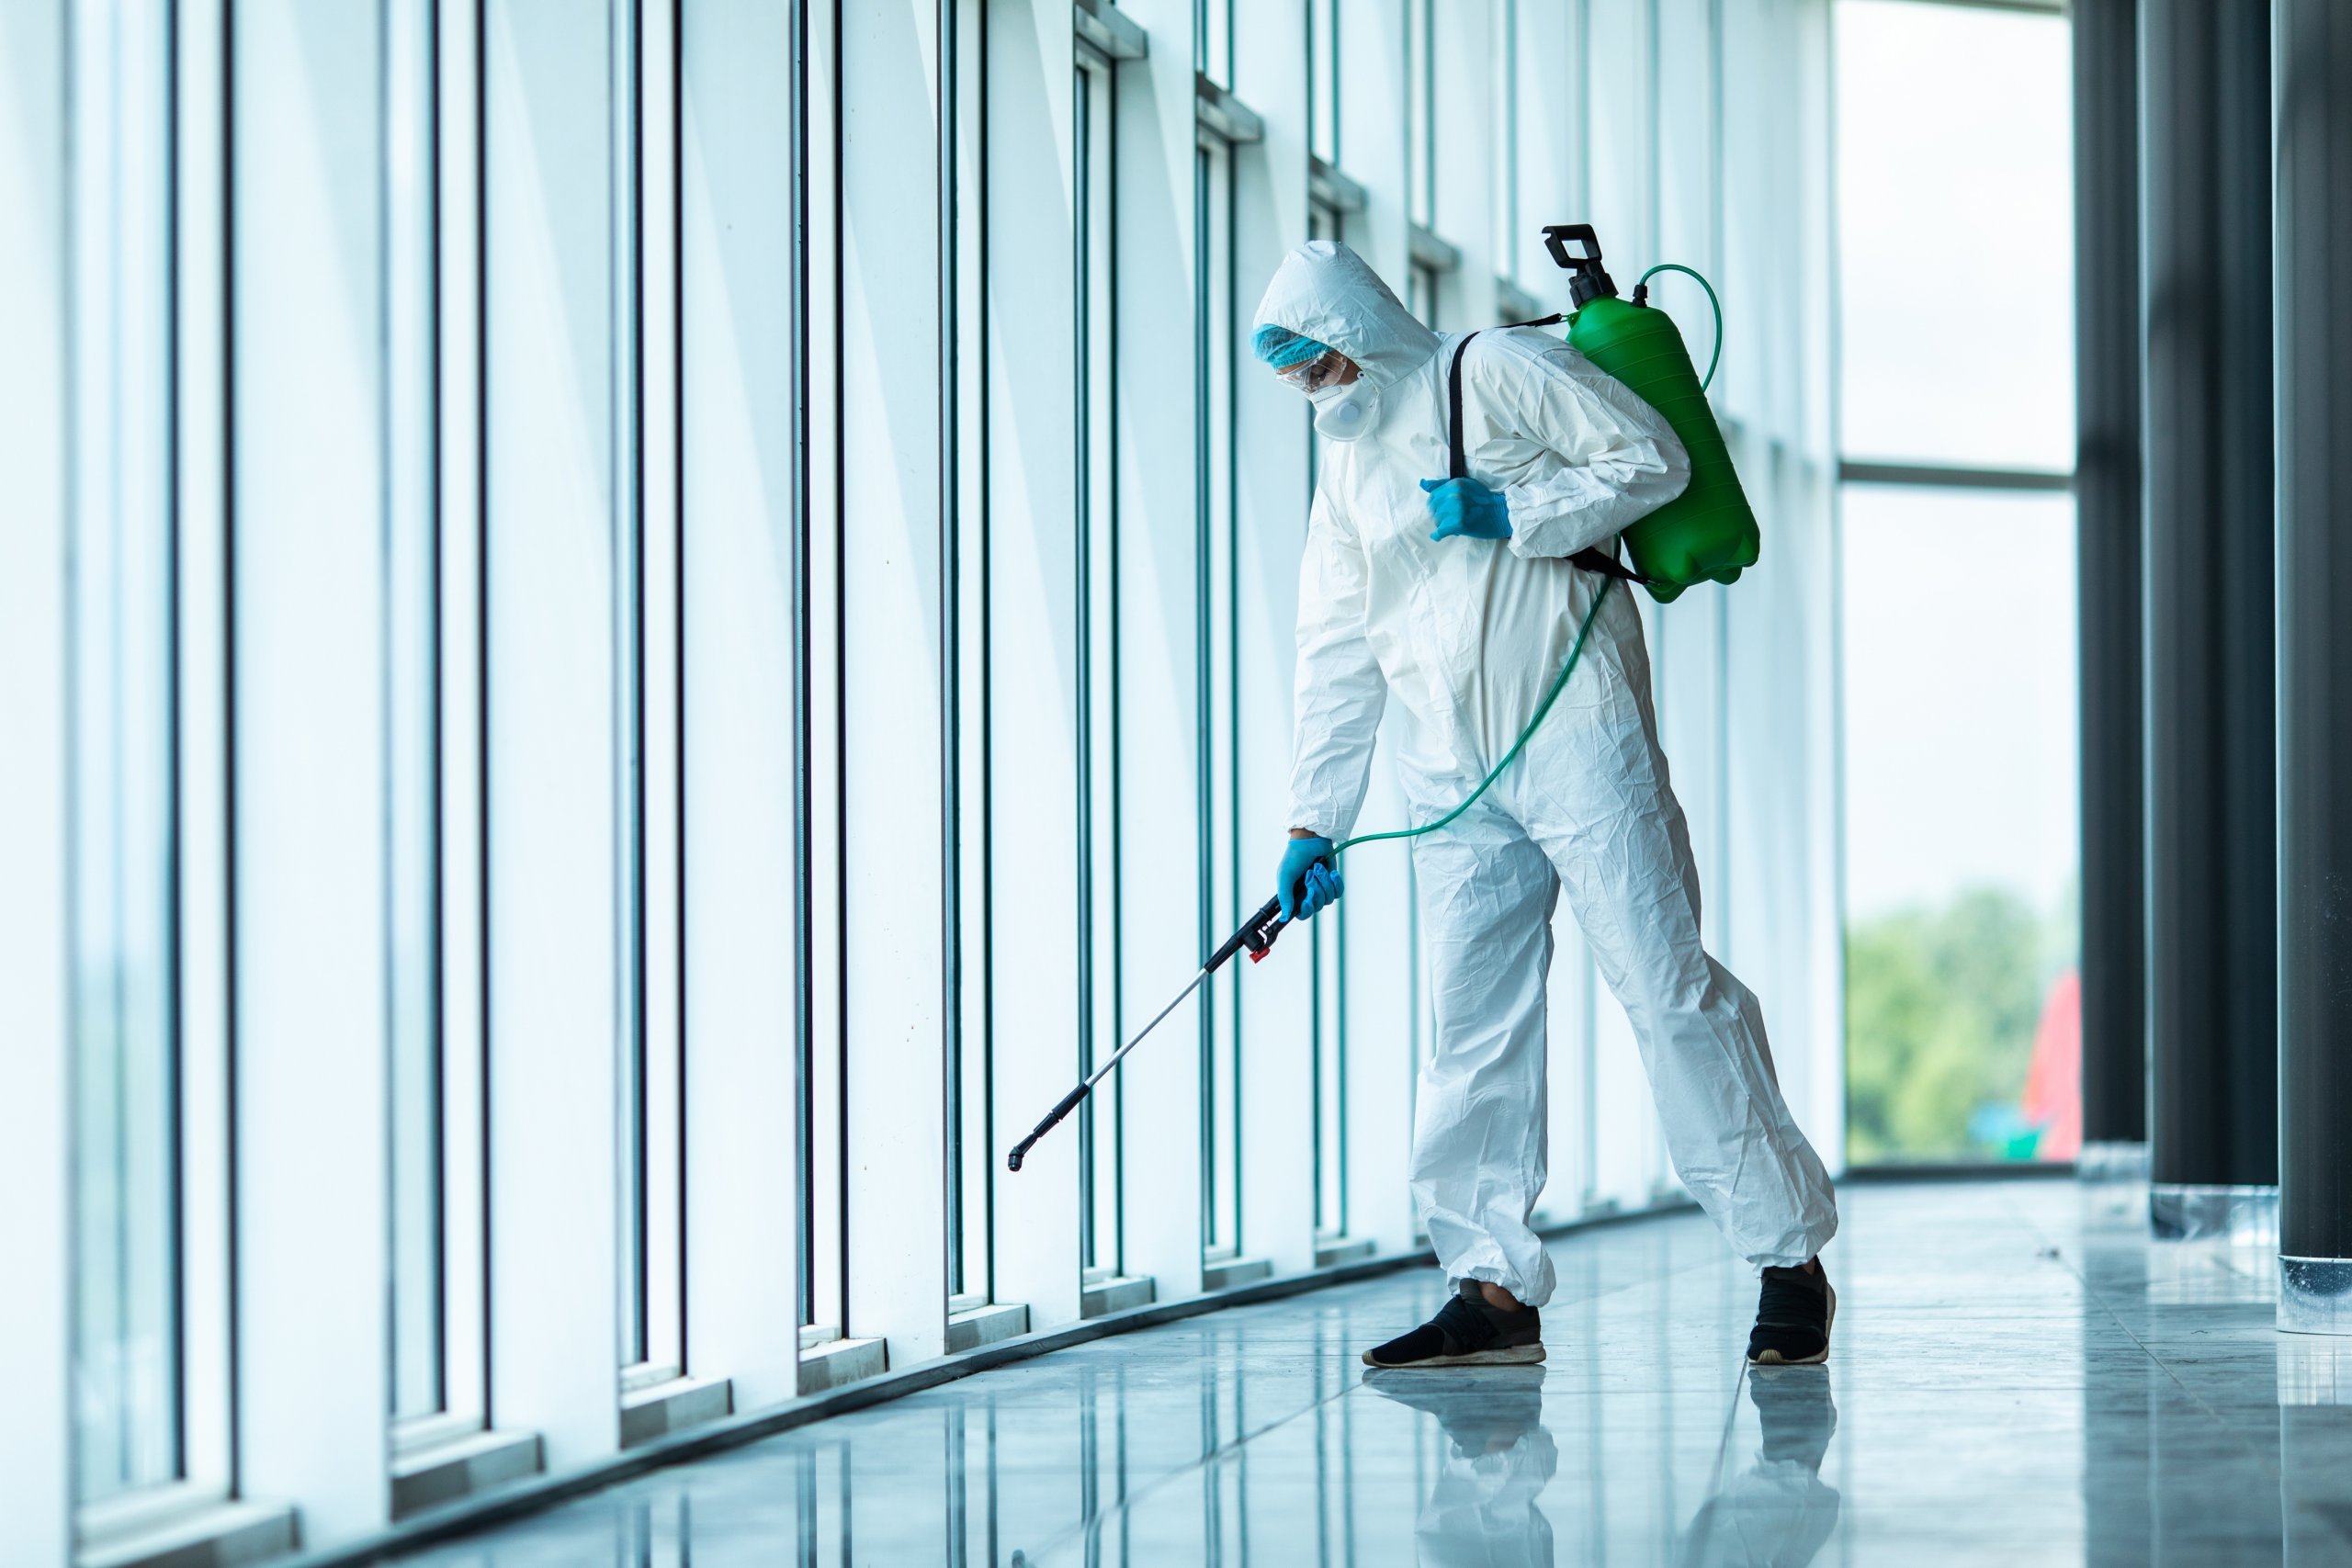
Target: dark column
x,y
2211,884
2314,348
2116,1414
2107,532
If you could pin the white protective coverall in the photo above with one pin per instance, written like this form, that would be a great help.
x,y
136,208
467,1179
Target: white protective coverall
x,y
1467,634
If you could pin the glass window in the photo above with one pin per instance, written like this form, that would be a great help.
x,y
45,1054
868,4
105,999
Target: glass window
x,y
1328,1112
433,649
1323,80
1956,234
1504,151
1213,40
1962,1022
971,1041
1420,293
823,1186
411,752
123,767
1960,849
1218,332
653,1134
1102,1114
1421,112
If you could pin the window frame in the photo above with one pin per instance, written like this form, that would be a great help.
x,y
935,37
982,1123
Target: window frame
x,y
1977,479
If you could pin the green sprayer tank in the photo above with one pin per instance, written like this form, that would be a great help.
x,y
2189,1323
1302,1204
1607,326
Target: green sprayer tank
x,y
1708,533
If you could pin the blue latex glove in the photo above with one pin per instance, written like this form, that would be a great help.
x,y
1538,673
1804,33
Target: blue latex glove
x,y
1307,860
1466,509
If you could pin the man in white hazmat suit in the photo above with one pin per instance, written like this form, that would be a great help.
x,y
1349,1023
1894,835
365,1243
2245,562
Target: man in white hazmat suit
x,y
1456,597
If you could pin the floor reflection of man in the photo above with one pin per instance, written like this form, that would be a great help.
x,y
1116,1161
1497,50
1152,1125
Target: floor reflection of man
x,y
1778,1511
1498,1458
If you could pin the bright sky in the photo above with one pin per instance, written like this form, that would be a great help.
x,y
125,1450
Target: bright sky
x,y
1955,200
1955,204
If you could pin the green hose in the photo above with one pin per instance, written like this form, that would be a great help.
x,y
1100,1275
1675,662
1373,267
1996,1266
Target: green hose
x,y
1559,685
1575,649
1717,357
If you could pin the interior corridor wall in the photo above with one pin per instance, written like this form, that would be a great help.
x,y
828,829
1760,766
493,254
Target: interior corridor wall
x,y
769,514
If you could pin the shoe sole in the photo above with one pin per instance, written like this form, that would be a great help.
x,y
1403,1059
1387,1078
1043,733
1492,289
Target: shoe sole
x,y
1774,1358
1517,1355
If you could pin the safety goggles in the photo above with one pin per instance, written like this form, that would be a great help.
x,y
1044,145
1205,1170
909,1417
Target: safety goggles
x,y
1311,376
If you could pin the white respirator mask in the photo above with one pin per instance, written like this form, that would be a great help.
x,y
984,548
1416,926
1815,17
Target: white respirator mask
x,y
1349,413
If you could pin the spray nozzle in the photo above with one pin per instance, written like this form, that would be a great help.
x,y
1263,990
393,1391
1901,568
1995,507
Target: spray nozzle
x,y
1592,280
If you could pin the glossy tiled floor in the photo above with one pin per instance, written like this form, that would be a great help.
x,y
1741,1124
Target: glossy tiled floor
x,y
2018,1378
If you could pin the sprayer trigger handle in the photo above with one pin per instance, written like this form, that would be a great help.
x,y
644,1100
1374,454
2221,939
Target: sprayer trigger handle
x,y
1558,236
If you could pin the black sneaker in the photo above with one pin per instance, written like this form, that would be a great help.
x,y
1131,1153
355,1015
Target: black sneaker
x,y
1792,1318
1467,1332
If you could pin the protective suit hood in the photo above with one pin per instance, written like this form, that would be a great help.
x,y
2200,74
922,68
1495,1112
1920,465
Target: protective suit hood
x,y
1325,291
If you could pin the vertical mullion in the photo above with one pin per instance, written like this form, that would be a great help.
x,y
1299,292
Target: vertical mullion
x,y
1339,1078
174,1065
1203,695
946,13
678,522
481,782
804,901
1315,1087
629,386
1082,589
438,1100
409,680
459,947
1429,119
838,892
1111,459
986,689
1225,327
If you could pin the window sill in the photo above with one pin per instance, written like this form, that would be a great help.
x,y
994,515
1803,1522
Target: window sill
x,y
1331,1250
1114,1293
667,1407
428,1476
209,1535
832,1362
984,1324
1223,1273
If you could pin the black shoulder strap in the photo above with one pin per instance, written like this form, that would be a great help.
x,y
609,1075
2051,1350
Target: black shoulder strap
x,y
1458,466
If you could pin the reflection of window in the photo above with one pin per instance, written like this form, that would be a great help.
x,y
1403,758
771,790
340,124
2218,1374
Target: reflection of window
x,y
1961,856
